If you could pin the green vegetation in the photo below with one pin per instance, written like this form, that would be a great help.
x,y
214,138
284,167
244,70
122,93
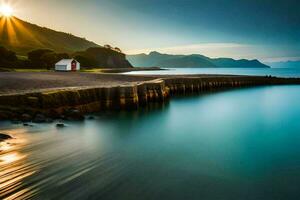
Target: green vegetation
x,y
45,59
8,59
28,37
107,57
32,47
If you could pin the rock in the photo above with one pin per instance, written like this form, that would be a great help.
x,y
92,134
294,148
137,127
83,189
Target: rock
x,y
39,118
60,125
90,117
53,114
33,101
74,114
26,124
4,137
26,118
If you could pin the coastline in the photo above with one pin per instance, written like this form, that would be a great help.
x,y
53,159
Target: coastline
x,y
53,95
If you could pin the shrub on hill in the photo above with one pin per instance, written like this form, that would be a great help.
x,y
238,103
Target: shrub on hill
x,y
7,58
102,57
44,58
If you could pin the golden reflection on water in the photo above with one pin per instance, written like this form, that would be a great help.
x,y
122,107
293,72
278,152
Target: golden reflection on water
x,y
10,158
4,146
14,167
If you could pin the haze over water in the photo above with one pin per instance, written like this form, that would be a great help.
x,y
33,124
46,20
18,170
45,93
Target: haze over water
x,y
279,72
238,144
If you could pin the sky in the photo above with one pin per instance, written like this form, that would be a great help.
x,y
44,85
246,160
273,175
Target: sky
x,y
268,30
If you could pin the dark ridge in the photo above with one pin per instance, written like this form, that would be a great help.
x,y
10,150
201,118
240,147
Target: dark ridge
x,y
29,36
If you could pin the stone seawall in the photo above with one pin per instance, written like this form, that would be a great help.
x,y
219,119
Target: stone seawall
x,y
54,103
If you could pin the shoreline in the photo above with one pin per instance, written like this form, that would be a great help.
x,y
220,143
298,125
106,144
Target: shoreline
x,y
71,100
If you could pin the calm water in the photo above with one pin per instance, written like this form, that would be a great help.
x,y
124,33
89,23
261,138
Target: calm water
x,y
239,144
280,72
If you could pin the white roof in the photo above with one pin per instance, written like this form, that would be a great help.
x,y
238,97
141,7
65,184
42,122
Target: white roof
x,y
65,61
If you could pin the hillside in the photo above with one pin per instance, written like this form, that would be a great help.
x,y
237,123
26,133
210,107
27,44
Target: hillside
x,y
190,61
22,37
102,57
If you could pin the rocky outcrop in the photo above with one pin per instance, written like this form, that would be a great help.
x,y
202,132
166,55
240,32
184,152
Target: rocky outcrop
x,y
75,102
4,137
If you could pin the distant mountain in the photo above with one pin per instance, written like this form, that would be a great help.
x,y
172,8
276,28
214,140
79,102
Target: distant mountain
x,y
156,59
287,64
22,37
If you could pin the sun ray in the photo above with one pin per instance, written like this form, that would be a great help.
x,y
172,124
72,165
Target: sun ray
x,y
11,29
20,28
12,36
2,23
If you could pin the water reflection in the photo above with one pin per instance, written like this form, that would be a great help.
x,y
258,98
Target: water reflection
x,y
14,166
241,144
10,158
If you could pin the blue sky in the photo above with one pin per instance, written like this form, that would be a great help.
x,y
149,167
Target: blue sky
x,y
265,29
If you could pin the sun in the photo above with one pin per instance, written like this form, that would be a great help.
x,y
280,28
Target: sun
x,y
6,10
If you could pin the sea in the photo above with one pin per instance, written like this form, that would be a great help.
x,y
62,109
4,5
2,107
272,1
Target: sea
x,y
279,72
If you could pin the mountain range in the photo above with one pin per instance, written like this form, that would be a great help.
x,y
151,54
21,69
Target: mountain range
x,y
21,37
156,59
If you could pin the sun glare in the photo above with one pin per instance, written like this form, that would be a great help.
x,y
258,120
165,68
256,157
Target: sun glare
x,y
6,10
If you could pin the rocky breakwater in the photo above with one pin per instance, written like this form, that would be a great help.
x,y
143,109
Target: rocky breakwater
x,y
74,102
190,85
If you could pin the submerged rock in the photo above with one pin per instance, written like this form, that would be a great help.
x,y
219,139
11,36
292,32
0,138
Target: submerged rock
x,y
74,114
27,124
90,117
4,137
60,125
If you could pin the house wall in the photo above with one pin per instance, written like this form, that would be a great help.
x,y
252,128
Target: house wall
x,y
61,67
67,67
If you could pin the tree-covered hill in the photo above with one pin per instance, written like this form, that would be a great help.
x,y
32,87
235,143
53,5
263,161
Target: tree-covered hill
x,y
190,61
22,37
